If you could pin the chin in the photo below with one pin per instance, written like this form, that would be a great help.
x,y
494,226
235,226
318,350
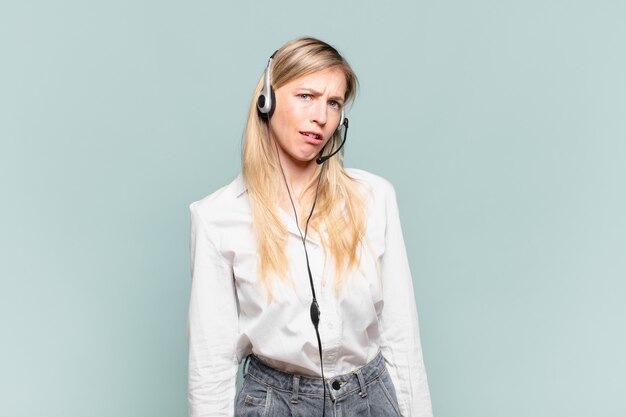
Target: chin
x,y
304,159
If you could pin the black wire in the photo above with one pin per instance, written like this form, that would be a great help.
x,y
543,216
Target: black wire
x,y
315,311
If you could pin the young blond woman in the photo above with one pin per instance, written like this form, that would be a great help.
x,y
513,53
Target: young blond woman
x,y
300,259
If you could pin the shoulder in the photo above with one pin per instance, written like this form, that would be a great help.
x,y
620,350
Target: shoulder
x,y
222,203
376,185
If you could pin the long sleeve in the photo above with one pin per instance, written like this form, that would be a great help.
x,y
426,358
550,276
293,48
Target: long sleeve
x,y
401,344
212,325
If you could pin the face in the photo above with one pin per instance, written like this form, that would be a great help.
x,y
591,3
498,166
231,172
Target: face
x,y
307,113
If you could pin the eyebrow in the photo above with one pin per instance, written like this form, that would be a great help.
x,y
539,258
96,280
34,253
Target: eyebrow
x,y
317,93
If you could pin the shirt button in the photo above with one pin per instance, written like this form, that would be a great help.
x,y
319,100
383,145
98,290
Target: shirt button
x,y
336,384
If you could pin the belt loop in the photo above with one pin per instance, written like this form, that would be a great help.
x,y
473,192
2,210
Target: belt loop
x,y
294,392
359,375
246,366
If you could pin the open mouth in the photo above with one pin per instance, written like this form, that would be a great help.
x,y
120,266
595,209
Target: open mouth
x,y
312,135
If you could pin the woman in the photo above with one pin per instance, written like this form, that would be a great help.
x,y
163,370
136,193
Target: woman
x,y
300,259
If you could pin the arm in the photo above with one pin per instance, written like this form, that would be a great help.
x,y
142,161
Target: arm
x,y
212,326
401,344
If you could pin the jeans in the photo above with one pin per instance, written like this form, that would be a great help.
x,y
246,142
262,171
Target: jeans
x,y
268,392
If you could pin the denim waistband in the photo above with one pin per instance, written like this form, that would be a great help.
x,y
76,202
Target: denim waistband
x,y
336,386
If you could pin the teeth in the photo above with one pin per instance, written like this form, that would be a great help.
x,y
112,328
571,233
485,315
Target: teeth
x,y
314,136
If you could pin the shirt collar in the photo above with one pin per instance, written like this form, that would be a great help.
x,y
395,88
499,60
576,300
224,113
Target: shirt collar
x,y
240,188
240,185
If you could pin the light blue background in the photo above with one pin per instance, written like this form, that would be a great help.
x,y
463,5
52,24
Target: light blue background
x,y
501,124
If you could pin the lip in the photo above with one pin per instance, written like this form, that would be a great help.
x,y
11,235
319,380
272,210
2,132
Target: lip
x,y
310,139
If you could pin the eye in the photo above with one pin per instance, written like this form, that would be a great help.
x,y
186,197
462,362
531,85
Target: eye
x,y
335,104
304,96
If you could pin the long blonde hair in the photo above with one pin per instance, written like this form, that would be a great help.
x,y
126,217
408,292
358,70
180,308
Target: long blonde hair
x,y
339,217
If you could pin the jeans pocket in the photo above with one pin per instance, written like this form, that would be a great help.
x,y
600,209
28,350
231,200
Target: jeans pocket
x,y
389,392
254,399
250,400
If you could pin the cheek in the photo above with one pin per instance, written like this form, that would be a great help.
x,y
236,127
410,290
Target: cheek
x,y
280,122
330,139
284,108
291,117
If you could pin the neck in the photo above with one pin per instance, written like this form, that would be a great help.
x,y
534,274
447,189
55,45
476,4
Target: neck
x,y
299,175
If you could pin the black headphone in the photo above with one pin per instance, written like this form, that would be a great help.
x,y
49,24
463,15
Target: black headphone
x,y
266,102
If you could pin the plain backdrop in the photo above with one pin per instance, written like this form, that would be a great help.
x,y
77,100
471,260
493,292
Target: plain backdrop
x,y
501,124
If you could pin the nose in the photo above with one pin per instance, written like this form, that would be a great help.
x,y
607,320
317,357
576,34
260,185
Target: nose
x,y
319,113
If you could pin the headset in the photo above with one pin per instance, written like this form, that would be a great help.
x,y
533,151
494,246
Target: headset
x,y
266,104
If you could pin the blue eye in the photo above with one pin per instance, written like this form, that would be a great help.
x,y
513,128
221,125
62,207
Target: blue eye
x,y
304,96
335,104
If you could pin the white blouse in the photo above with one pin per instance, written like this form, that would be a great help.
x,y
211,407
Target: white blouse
x,y
230,316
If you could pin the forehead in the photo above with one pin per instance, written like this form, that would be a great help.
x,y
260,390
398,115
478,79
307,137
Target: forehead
x,y
331,81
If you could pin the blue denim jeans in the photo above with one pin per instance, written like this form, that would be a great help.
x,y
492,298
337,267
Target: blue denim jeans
x,y
268,392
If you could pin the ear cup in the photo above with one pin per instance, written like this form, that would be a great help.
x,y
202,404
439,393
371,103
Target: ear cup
x,y
260,102
266,102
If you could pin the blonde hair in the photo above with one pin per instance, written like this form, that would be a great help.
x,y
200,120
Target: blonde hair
x,y
339,216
